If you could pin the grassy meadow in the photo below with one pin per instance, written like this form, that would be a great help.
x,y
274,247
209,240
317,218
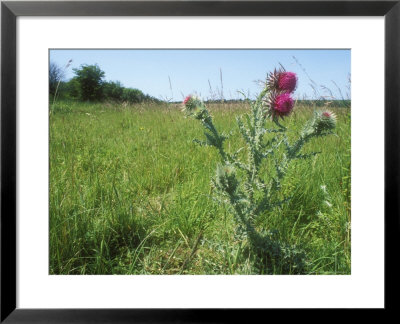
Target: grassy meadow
x,y
130,193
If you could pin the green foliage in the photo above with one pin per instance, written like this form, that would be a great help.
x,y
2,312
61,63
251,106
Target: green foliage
x,y
322,103
130,194
56,74
113,90
248,189
90,79
60,108
72,89
89,85
133,95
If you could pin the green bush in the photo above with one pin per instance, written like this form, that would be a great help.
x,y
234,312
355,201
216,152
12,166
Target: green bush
x,y
113,90
133,95
90,79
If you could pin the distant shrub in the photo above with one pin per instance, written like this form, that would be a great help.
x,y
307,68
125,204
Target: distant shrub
x,y
132,95
89,85
56,74
113,90
72,89
90,79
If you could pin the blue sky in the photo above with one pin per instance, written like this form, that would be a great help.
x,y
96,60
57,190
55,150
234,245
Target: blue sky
x,y
194,71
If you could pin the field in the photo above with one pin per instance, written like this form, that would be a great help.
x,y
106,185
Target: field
x,y
130,194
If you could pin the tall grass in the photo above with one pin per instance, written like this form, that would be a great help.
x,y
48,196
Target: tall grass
x,y
130,194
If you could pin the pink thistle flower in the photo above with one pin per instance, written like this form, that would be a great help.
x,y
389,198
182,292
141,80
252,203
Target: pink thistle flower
x,y
190,103
187,99
282,81
282,105
287,81
324,121
329,119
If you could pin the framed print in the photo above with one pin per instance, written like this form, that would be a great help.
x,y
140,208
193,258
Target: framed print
x,y
163,158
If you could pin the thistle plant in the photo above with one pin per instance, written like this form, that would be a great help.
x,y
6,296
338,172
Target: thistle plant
x,y
244,184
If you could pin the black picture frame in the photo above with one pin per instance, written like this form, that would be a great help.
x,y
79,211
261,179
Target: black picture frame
x,y
10,10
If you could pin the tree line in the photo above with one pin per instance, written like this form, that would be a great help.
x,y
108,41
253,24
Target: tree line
x,y
88,84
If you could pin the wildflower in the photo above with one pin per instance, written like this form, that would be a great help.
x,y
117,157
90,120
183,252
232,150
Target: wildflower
x,y
187,99
327,120
329,114
190,103
321,123
280,104
287,81
282,81
193,106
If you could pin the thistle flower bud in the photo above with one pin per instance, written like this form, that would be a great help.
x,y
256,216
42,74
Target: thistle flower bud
x,y
327,120
190,103
321,123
